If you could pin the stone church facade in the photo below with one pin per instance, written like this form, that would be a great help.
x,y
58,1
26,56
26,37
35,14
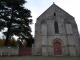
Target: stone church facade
x,y
56,33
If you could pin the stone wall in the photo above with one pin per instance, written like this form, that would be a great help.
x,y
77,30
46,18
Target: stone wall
x,y
9,50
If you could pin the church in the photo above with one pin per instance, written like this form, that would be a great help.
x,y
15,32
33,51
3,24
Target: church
x,y
56,33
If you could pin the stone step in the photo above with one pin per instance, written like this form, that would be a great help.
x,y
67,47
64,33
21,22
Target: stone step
x,y
39,58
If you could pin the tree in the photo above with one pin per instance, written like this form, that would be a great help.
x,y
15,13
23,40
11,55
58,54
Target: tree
x,y
24,43
12,42
30,41
1,42
15,18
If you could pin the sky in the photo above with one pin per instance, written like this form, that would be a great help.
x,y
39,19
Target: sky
x,y
37,7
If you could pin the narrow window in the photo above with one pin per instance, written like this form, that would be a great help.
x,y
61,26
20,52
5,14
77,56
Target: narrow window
x,y
56,27
54,14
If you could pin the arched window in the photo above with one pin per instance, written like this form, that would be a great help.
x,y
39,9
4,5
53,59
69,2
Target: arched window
x,y
56,27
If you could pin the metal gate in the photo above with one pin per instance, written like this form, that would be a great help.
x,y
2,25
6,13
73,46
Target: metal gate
x,y
24,51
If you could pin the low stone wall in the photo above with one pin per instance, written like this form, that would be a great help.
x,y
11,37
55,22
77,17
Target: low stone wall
x,y
9,51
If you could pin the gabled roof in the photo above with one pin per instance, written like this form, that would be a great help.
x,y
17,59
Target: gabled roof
x,y
54,8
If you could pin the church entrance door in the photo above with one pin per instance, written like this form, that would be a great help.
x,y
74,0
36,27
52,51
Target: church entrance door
x,y
57,48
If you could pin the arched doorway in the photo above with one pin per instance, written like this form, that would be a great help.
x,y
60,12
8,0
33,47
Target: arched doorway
x,y
57,48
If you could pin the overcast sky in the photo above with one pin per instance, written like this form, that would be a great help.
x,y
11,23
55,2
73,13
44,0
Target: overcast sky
x,y
37,7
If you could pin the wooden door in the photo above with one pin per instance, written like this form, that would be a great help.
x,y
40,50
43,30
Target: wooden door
x,y
57,48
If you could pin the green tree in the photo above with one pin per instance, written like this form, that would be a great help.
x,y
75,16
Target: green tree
x,y
1,42
15,18
30,41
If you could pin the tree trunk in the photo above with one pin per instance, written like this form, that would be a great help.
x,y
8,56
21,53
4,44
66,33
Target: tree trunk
x,y
9,26
7,36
